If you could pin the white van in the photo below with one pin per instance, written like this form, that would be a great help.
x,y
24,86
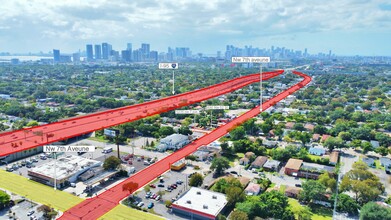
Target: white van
x,y
107,150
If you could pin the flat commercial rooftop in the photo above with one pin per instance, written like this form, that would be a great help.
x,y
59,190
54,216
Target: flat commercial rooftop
x,y
65,166
202,200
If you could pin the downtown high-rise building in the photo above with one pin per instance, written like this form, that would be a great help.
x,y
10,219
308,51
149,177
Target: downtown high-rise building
x,y
89,52
98,52
145,50
56,55
106,51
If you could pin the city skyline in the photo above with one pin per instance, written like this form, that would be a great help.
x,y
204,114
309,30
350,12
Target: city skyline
x,y
345,27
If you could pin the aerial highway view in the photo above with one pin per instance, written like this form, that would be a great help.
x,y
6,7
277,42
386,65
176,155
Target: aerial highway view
x,y
204,110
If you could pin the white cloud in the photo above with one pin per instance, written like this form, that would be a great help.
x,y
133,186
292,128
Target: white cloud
x,y
184,21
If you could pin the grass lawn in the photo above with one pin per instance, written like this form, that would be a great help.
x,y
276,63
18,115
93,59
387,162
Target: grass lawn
x,y
378,166
126,213
240,155
232,158
314,157
37,192
317,214
282,189
100,139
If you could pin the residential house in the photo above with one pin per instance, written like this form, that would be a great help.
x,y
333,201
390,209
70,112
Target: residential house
x,y
259,162
272,165
201,155
320,151
289,125
375,144
298,168
252,189
270,144
369,161
315,137
292,192
385,162
250,155
292,167
314,170
334,158
244,161
325,137
309,127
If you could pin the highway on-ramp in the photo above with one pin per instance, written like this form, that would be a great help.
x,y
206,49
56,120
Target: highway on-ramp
x,y
94,208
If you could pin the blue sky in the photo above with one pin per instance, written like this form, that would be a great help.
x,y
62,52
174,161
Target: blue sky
x,y
347,27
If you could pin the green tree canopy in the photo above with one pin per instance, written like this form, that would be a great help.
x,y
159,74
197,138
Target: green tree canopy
x,y
363,183
219,164
111,163
373,211
196,180
312,190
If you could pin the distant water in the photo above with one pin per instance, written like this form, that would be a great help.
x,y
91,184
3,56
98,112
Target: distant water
x,y
24,58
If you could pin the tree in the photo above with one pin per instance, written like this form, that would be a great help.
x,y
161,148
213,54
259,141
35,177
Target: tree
x,y
130,187
299,127
328,181
366,147
224,183
373,211
304,213
238,215
235,194
166,130
346,204
312,190
319,129
219,164
111,163
4,199
344,135
274,204
271,204
196,180
237,133
333,142
364,184
185,130
48,212
32,123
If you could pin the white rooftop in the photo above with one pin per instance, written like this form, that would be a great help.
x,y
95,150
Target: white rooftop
x,y
202,200
65,166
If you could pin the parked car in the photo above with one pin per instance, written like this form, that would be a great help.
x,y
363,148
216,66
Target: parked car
x,y
298,185
157,198
30,213
140,204
152,185
160,185
179,182
150,205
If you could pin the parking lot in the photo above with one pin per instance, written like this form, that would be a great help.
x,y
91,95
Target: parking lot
x,y
25,210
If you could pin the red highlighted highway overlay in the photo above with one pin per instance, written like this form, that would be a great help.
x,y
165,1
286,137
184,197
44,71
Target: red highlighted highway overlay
x,y
94,208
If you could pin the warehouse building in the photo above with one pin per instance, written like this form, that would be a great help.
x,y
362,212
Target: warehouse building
x,y
200,204
68,169
173,142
